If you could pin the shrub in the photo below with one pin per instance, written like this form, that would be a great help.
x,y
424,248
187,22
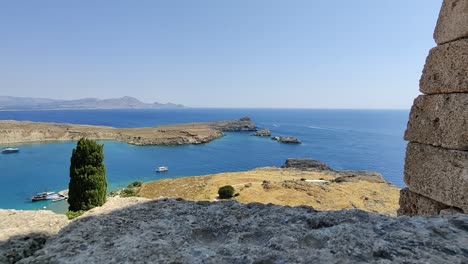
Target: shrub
x,y
88,182
226,192
128,192
74,214
135,184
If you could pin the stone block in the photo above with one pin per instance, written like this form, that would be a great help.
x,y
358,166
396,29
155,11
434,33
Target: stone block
x,y
446,69
413,204
440,120
438,173
453,21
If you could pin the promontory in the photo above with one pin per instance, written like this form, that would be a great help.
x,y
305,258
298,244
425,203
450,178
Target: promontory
x,y
179,134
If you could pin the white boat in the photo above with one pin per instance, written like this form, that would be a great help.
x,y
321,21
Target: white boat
x,y
48,196
162,169
10,150
58,197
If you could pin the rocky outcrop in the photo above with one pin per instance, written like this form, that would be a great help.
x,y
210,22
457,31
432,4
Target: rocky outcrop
x,y
262,133
177,231
436,164
243,124
340,176
302,164
194,133
354,176
287,140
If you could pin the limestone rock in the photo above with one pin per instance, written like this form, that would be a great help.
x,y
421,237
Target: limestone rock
x,y
243,124
356,176
438,173
287,140
413,204
171,231
446,67
451,211
440,120
453,21
24,232
263,133
303,164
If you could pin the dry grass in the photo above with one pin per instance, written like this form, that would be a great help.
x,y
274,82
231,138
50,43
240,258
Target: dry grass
x,y
285,188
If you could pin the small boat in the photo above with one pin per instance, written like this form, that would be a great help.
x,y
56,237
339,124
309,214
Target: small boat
x,y
162,169
59,197
45,196
10,150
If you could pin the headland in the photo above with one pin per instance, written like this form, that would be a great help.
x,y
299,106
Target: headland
x,y
299,182
178,134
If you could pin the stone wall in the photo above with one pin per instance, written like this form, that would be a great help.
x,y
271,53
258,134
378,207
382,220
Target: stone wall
x,y
436,165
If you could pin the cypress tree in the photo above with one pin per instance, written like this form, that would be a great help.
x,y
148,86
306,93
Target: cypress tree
x,y
88,182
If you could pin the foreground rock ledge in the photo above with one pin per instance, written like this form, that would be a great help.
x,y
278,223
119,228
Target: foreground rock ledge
x,y
171,231
179,134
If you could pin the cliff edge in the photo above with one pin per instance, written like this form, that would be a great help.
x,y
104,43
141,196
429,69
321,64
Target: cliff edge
x,y
178,231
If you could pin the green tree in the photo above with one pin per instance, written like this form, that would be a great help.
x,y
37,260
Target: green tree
x,y
88,182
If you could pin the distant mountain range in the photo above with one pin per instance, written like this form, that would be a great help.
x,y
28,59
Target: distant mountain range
x,y
126,102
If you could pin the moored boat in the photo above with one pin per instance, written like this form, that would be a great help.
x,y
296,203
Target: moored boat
x,y
162,169
48,196
10,150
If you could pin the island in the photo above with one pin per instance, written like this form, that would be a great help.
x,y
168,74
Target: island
x,y
178,134
287,140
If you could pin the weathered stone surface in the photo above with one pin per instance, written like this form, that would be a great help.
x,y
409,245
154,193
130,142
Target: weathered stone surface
x,y
287,140
440,120
262,133
171,231
438,173
453,21
450,211
24,232
415,204
446,69
301,163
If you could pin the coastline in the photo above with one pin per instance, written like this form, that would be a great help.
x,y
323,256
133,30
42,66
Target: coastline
x,y
179,134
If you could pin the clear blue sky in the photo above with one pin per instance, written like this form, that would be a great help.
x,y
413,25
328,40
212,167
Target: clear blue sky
x,y
213,53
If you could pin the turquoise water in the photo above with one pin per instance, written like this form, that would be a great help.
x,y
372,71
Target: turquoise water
x,y
344,139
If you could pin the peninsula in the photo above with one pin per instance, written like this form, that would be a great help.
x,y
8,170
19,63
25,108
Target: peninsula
x,y
298,182
179,134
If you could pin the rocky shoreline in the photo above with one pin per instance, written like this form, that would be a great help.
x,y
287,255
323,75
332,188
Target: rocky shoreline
x,y
182,134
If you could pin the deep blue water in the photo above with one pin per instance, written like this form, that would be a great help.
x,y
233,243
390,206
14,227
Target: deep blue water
x,y
344,139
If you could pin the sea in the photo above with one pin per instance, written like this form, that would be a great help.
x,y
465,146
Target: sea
x,y
344,139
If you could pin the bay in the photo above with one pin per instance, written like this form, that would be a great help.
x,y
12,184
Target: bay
x,y
344,139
